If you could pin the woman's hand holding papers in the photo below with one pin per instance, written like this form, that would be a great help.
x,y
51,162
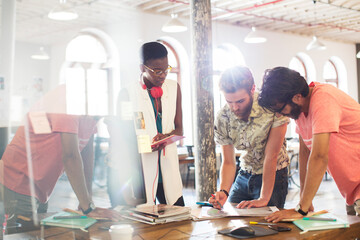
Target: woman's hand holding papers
x,y
158,137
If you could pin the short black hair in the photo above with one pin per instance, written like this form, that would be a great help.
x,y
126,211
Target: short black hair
x,y
280,84
152,50
236,78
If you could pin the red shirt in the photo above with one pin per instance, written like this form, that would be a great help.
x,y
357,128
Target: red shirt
x,y
333,111
46,154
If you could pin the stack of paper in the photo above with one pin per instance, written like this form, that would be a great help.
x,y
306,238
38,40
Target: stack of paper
x,y
230,210
158,214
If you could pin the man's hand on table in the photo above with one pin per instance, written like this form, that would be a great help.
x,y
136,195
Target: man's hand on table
x,y
283,214
253,203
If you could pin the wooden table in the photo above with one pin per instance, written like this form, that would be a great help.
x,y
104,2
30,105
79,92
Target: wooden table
x,y
190,229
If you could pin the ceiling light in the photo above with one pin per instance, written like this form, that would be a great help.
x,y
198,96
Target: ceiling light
x,y
315,44
41,55
63,12
174,25
254,37
358,55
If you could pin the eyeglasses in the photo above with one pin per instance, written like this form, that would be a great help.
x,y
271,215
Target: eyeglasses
x,y
159,72
280,109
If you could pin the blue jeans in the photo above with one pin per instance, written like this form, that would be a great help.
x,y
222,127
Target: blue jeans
x,y
248,187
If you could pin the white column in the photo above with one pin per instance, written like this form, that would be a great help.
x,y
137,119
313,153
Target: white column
x,y
7,45
205,158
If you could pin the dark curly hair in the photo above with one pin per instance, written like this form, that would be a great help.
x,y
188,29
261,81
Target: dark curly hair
x,y
152,50
280,84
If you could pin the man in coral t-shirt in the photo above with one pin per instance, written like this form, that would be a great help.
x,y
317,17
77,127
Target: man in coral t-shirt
x,y
328,123
68,147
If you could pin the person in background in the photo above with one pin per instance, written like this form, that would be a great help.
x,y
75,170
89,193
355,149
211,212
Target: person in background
x,y
69,148
33,162
242,124
156,105
328,124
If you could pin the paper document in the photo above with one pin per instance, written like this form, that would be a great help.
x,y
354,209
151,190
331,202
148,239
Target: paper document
x,y
230,210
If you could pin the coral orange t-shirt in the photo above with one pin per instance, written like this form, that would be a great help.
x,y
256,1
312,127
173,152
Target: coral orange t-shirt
x,y
46,154
333,111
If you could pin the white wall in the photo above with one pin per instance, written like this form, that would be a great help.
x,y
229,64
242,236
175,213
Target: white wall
x,y
135,29
25,85
280,48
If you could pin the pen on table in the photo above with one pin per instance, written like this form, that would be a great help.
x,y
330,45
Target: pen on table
x,y
217,201
70,217
204,204
319,219
260,223
24,218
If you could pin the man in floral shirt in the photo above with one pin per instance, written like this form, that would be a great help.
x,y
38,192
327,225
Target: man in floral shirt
x,y
244,125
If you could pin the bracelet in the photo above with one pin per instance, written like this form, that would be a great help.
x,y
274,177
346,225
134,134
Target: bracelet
x,y
224,191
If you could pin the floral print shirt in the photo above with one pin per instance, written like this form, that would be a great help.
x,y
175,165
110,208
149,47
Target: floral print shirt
x,y
250,136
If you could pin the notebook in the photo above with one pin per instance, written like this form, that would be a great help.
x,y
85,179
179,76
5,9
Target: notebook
x,y
82,223
312,225
167,140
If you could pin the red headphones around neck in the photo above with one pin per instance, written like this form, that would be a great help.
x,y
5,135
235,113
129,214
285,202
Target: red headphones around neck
x,y
156,92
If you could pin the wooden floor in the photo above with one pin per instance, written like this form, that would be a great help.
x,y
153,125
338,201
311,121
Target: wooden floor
x,y
328,197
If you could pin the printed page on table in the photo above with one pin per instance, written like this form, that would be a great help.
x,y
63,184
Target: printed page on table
x,y
230,210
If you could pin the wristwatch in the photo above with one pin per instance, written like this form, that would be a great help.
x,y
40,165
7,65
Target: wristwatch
x,y
91,207
224,191
299,210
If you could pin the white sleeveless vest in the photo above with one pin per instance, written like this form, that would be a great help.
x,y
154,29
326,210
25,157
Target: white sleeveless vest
x,y
169,163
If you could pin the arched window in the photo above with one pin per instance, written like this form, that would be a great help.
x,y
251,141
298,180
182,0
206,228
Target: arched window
x,y
335,69
297,64
86,81
225,56
78,50
303,64
174,62
330,73
89,72
178,60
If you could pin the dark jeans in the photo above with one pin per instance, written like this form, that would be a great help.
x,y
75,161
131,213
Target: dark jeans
x,y
18,204
248,187
160,196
